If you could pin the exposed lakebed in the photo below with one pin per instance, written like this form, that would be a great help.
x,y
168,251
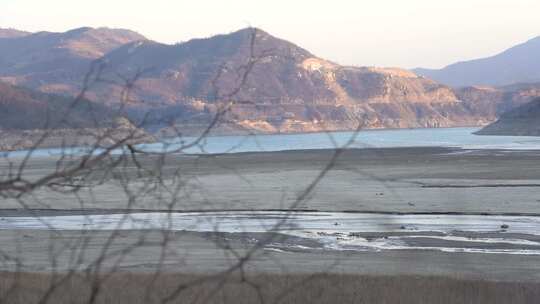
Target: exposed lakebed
x,y
503,234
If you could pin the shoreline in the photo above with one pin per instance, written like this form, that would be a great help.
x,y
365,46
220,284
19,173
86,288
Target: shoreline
x,y
57,143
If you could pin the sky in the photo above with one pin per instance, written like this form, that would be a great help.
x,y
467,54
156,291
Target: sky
x,y
395,33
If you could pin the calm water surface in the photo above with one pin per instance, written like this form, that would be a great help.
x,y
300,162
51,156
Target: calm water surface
x,y
442,137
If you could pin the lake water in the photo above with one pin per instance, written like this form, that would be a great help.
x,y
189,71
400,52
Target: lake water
x,y
441,137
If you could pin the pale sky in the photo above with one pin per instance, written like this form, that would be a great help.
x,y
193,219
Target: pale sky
x,y
404,33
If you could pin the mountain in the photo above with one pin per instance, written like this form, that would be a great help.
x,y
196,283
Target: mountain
x,y
26,109
288,89
521,121
520,64
494,101
12,33
29,119
268,84
60,60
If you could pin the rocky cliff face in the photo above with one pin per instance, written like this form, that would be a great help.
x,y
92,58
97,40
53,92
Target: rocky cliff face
x,y
287,89
267,84
521,121
491,102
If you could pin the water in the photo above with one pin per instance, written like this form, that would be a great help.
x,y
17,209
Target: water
x,y
331,230
264,221
441,137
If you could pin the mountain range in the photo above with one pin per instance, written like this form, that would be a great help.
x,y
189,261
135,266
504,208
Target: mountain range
x,y
519,64
268,84
11,33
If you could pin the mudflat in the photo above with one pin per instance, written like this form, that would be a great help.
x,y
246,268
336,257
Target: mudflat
x,y
401,180
204,253
406,180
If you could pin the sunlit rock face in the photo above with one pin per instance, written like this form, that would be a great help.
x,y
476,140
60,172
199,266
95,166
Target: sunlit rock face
x,y
268,85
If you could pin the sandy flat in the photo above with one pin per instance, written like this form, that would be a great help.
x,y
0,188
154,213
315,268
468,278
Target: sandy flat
x,y
413,180
382,180
200,253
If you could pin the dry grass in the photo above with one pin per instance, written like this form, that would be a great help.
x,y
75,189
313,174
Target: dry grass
x,y
328,288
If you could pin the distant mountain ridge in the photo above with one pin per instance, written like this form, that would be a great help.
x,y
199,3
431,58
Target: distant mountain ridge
x,y
286,88
12,33
519,64
40,59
